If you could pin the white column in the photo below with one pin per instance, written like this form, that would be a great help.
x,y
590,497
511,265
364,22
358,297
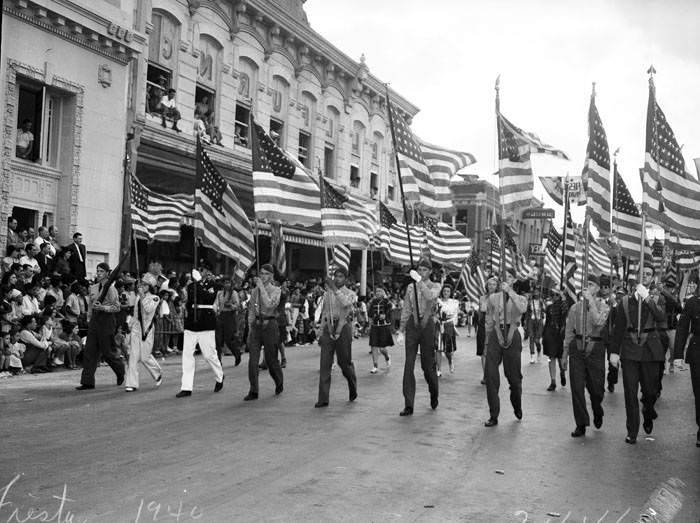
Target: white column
x,y
363,274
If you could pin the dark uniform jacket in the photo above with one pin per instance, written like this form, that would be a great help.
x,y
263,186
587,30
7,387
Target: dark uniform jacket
x,y
624,337
376,308
205,292
689,323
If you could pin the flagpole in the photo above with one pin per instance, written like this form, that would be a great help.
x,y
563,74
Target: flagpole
x,y
136,254
198,159
566,229
502,246
403,195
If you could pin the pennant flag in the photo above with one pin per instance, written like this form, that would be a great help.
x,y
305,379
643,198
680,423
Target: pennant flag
x,y
474,278
627,222
555,187
446,245
596,171
283,191
671,194
425,169
341,256
157,216
219,220
393,241
340,226
278,254
515,169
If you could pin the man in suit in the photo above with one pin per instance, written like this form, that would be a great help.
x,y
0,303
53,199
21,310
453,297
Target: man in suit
x,y
689,323
103,307
77,258
503,312
641,352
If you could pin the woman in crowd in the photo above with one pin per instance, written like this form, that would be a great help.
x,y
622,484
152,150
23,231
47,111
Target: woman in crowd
x,y
553,337
143,333
447,313
380,315
62,266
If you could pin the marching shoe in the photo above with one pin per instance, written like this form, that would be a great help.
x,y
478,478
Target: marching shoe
x,y
439,374
483,381
562,377
159,380
492,422
219,385
251,396
388,362
434,402
237,354
407,411
278,389
85,387
452,367
130,389
648,425
539,357
552,386
183,394
532,359
518,413
631,439
353,395
320,404
373,370
598,420
580,431
120,381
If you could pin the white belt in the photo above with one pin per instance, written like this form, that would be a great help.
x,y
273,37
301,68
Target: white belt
x,y
203,306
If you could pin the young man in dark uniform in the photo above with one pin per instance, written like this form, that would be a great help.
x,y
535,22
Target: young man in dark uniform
x,y
585,352
640,351
103,308
263,331
689,323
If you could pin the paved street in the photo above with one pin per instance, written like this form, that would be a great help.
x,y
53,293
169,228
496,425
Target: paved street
x,y
108,456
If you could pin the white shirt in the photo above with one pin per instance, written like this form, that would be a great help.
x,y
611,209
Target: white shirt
x,y
24,138
26,260
168,102
39,241
450,308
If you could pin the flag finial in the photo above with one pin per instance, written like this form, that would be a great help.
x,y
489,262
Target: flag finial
x,y
592,89
651,72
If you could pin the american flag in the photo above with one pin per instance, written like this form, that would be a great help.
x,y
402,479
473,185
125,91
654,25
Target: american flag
x,y
157,216
596,171
446,245
474,278
570,239
657,254
393,241
552,257
425,169
515,169
515,261
671,273
278,252
598,257
670,193
627,222
341,256
339,224
219,220
283,191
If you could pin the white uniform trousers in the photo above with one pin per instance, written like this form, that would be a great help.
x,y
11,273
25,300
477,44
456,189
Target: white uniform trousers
x,y
207,342
140,350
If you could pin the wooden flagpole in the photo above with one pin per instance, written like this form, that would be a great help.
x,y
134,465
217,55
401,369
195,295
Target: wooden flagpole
x,y
565,235
403,195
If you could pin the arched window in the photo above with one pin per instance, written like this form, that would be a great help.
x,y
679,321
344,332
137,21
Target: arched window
x,y
162,58
358,140
280,103
247,87
207,80
308,117
329,154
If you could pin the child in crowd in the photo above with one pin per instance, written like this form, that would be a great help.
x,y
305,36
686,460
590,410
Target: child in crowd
x,y
68,334
16,352
5,342
121,341
177,323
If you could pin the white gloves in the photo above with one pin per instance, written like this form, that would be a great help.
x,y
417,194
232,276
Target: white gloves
x,y
678,363
642,291
615,360
416,277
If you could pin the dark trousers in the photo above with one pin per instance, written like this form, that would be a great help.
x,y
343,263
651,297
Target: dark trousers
x,y
634,374
422,336
586,373
267,335
36,357
225,333
100,345
695,379
342,347
495,354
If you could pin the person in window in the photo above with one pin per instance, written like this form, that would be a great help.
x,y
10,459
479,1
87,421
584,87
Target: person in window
x,y
169,109
212,129
200,128
202,107
239,137
25,140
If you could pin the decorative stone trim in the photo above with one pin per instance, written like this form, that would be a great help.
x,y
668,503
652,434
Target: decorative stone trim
x,y
15,68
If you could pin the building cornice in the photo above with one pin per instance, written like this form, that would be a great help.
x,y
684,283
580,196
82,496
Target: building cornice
x,y
112,41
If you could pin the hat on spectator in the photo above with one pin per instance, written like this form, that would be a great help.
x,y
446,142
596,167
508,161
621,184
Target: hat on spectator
x,y
425,263
149,280
592,278
604,280
15,294
267,267
341,270
104,266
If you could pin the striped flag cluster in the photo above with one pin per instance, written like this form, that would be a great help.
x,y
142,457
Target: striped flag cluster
x,y
341,256
671,272
596,171
657,254
339,224
474,278
515,261
515,168
446,245
671,194
598,257
219,220
425,169
552,256
555,186
627,221
392,239
282,189
157,216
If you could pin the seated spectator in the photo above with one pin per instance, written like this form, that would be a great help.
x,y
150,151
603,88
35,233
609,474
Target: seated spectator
x,y
25,140
75,305
30,302
25,277
37,350
56,292
68,333
239,137
17,350
30,257
44,258
15,299
168,109
14,254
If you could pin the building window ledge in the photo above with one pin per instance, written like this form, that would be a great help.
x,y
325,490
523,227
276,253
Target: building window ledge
x,y
27,167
